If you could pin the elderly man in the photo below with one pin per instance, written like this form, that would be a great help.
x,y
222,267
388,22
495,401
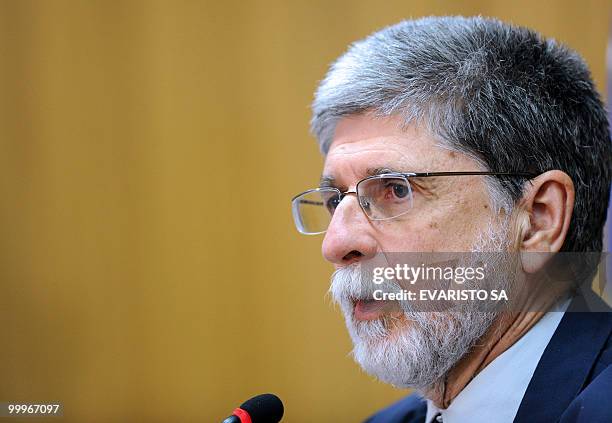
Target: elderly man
x,y
467,135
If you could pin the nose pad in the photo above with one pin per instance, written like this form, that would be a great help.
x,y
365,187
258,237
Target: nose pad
x,y
342,204
348,238
364,202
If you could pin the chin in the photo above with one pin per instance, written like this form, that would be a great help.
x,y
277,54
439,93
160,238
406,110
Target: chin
x,y
417,349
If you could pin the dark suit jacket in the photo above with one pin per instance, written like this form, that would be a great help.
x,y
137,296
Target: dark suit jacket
x,y
573,379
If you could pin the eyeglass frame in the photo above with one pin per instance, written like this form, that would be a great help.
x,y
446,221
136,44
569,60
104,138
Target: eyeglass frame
x,y
405,175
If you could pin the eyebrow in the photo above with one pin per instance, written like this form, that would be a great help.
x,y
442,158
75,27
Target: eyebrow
x,y
328,181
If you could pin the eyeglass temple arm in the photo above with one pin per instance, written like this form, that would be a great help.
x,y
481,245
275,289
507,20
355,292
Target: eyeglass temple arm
x,y
520,174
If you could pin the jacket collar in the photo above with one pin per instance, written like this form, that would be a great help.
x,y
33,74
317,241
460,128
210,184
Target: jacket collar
x,y
567,360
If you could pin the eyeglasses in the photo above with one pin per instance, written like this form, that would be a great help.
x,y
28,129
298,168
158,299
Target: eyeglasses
x,y
381,197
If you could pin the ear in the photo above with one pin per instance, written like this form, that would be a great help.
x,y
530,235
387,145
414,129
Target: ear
x,y
547,207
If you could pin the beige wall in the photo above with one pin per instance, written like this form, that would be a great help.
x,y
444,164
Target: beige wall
x,y
148,152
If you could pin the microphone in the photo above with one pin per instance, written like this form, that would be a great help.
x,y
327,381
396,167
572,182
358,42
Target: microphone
x,y
265,408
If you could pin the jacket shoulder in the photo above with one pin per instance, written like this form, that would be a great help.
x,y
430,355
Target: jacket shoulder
x,y
593,404
411,409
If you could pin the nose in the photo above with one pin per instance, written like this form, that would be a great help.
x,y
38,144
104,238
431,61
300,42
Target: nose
x,y
349,236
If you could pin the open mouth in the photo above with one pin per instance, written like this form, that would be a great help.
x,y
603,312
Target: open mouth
x,y
370,309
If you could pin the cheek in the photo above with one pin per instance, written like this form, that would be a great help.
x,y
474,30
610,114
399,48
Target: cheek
x,y
453,227
416,235
466,223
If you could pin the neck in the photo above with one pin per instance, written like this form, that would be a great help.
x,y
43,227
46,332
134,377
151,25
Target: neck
x,y
505,330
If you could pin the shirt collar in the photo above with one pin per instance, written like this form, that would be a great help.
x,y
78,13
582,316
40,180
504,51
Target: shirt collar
x,y
495,393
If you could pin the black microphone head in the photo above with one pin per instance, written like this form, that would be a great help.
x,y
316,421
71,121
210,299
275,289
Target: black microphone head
x,y
264,408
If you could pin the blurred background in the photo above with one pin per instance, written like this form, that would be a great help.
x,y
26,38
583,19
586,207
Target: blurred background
x,y
149,267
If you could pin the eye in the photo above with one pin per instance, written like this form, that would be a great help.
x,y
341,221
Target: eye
x,y
396,190
400,190
332,203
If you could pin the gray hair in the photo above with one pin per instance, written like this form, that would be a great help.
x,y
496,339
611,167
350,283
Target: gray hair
x,y
503,94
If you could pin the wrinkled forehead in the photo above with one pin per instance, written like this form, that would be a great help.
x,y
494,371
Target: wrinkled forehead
x,y
364,144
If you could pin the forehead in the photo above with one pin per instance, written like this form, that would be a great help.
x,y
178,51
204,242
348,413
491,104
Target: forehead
x,y
364,142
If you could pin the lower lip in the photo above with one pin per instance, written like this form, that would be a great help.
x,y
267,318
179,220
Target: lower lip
x,y
373,309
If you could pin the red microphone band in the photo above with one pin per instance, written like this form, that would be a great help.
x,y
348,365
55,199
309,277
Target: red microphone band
x,y
242,415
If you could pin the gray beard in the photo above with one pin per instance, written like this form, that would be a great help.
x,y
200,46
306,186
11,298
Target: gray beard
x,y
420,353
